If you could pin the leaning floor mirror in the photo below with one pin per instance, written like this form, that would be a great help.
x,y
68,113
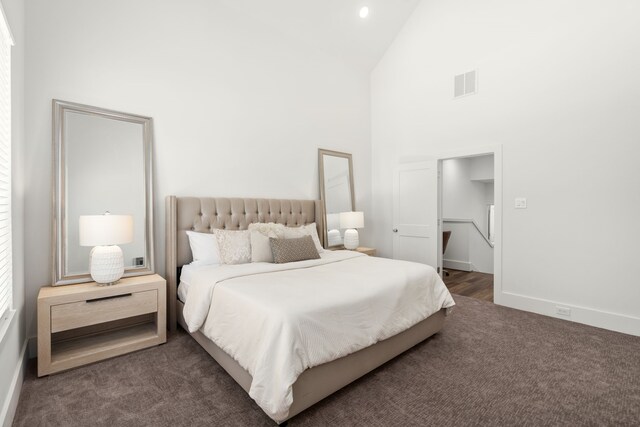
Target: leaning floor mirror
x,y
102,164
336,191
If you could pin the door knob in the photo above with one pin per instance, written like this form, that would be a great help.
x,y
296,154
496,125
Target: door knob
x,y
395,230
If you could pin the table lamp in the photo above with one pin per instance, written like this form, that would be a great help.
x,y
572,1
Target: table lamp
x,y
351,221
333,229
104,233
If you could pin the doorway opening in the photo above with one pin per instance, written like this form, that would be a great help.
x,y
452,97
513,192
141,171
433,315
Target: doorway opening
x,y
418,225
467,209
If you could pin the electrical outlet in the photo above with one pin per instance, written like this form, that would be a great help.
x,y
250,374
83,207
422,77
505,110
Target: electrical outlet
x,y
521,203
138,262
563,311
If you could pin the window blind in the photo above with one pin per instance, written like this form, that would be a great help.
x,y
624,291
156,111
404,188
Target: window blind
x,y
6,282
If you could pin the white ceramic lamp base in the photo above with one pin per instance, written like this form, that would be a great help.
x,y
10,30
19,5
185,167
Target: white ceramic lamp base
x,y
351,239
106,264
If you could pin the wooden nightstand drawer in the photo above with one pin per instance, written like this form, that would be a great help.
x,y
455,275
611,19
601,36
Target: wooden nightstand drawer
x,y
100,310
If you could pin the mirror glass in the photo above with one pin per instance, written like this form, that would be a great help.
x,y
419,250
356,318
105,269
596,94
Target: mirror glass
x,y
102,165
336,191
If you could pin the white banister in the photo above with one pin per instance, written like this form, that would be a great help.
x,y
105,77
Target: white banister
x,y
469,221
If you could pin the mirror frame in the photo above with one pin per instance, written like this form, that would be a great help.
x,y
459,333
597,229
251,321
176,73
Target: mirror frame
x,y
321,153
59,225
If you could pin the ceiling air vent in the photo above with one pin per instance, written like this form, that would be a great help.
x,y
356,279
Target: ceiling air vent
x,y
465,84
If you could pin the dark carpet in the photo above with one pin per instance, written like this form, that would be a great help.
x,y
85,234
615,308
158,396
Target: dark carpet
x,y
490,365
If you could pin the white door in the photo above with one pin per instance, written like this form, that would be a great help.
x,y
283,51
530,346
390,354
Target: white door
x,y
415,212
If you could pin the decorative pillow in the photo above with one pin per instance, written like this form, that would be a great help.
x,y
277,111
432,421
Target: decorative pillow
x,y
204,248
234,246
304,230
260,247
290,250
267,228
260,233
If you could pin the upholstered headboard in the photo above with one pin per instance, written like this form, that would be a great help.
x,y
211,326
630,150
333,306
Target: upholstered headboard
x,y
204,214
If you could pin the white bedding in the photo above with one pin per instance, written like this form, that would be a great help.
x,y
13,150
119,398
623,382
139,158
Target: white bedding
x,y
277,320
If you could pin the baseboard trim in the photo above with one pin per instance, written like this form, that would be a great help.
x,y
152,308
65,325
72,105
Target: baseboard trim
x,y
457,265
588,316
11,403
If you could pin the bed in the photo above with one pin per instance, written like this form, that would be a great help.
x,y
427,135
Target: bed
x,y
311,382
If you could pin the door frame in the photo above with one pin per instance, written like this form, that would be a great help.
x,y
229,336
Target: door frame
x,y
464,152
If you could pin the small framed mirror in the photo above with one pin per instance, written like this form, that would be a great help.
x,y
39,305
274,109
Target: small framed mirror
x,y
336,191
102,164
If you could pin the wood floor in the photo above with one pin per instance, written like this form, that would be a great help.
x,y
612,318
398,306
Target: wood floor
x,y
470,284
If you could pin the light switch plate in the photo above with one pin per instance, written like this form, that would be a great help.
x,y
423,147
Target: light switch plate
x,y
521,203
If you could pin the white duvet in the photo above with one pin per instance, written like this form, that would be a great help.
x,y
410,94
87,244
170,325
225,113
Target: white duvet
x,y
276,320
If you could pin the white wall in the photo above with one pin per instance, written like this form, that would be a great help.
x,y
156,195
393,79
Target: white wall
x,y
238,108
481,168
13,343
463,195
466,198
557,89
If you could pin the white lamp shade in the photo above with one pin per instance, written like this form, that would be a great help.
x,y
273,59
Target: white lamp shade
x,y
103,230
351,220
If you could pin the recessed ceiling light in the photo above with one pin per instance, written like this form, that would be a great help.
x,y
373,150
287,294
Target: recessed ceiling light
x,y
364,12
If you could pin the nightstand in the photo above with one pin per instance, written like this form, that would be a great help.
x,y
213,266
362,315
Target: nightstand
x,y
85,323
361,249
367,251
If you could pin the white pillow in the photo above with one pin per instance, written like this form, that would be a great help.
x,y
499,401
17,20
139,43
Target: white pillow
x,y
260,247
234,246
260,233
304,230
204,248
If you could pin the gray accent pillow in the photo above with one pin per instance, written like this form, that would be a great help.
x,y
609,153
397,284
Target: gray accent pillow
x,y
304,230
290,250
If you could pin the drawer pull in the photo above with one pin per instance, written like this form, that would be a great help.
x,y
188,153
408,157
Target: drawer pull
x,y
111,297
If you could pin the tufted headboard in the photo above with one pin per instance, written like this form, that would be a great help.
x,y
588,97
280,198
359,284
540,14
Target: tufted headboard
x,y
203,214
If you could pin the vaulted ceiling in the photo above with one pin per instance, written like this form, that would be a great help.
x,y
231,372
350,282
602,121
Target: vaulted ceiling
x,y
334,25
